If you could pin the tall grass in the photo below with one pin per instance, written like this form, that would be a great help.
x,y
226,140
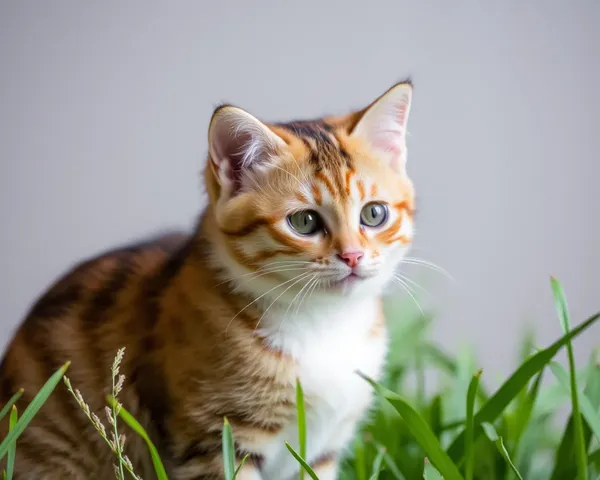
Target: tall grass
x,y
458,430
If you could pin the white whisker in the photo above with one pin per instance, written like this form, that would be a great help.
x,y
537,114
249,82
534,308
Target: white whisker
x,y
302,277
261,296
281,263
407,290
303,185
313,281
425,263
269,272
300,169
411,281
314,287
296,296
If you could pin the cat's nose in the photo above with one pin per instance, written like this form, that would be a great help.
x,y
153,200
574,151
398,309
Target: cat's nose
x,y
351,257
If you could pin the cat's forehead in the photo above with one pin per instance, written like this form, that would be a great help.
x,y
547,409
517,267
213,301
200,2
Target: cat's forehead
x,y
319,143
339,167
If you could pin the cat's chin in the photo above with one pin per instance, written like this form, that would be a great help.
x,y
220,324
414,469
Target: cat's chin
x,y
353,284
347,281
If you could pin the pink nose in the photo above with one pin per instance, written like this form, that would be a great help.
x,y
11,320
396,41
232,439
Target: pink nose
x,y
351,258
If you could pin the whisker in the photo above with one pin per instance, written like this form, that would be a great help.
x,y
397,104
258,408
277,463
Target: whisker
x,y
303,277
269,272
411,281
300,169
425,263
407,290
314,288
261,296
297,295
281,263
304,186
314,280
310,283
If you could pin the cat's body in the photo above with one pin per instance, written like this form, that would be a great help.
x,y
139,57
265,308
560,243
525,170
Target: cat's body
x,y
224,321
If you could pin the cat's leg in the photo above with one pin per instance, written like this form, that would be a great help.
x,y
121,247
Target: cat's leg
x,y
326,468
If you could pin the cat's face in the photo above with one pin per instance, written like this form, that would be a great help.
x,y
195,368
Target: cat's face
x,y
320,208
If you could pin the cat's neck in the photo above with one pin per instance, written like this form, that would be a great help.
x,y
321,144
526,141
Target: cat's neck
x,y
336,322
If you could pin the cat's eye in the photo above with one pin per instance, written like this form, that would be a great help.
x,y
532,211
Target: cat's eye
x,y
305,222
374,214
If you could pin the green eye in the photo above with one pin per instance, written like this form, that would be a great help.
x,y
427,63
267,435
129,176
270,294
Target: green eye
x,y
373,214
305,222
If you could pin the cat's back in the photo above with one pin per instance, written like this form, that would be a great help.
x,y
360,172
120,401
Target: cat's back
x,y
82,317
88,299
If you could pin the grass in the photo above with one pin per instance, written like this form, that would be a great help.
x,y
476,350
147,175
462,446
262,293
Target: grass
x,y
459,430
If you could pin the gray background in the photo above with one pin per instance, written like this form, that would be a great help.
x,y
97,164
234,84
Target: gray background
x,y
104,108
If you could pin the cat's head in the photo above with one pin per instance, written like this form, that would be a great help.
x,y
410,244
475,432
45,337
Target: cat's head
x,y
323,205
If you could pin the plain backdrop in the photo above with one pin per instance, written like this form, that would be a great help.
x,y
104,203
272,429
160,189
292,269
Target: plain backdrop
x,y
104,108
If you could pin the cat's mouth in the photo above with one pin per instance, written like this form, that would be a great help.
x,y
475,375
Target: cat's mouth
x,y
350,279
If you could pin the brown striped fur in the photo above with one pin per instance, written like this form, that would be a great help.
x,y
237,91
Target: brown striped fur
x,y
193,354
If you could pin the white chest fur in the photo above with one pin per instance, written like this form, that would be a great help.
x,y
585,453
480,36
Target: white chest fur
x,y
329,347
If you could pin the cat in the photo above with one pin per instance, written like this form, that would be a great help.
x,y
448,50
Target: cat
x,y
281,280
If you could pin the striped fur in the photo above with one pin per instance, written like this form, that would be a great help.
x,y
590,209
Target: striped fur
x,y
221,322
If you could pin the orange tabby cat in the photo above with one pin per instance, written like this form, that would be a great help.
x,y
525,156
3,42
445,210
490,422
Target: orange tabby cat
x,y
282,279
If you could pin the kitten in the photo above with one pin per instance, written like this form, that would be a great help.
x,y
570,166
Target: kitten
x,y
282,279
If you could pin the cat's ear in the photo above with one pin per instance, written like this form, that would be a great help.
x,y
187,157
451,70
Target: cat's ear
x,y
240,147
383,125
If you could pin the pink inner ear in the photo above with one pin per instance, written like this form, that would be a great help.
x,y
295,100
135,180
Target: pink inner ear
x,y
230,150
388,141
389,135
402,113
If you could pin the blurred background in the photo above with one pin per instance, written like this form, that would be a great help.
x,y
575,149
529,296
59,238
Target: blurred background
x,y
104,109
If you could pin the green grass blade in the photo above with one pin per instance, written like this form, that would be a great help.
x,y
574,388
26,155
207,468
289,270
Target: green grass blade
x,y
420,431
594,458
587,409
301,423
523,414
491,433
592,389
129,419
10,403
228,450
377,463
453,425
469,431
302,462
518,380
239,468
565,465
32,409
563,315
392,467
435,413
430,472
12,450
360,460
